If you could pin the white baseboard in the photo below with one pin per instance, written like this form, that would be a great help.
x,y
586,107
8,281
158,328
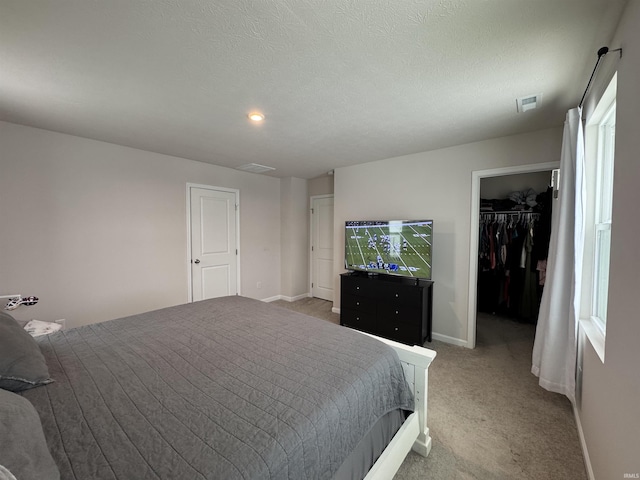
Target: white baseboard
x,y
447,339
583,443
272,299
297,297
335,310
285,298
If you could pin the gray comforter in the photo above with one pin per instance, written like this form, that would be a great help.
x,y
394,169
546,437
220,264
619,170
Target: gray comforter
x,y
230,388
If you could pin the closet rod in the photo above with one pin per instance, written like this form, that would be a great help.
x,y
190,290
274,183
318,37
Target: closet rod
x,y
510,212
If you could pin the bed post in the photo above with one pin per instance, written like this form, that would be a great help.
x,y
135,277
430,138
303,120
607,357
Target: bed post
x,y
414,433
422,444
415,362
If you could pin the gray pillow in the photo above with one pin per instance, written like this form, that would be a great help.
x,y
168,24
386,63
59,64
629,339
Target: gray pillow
x,y
22,365
23,448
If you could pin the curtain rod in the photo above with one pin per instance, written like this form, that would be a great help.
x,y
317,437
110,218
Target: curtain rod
x,y
601,53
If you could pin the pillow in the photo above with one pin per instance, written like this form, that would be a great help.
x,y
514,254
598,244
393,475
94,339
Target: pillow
x,y
22,365
23,448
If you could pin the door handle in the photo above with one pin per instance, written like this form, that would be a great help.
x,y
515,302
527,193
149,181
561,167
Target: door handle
x,y
196,261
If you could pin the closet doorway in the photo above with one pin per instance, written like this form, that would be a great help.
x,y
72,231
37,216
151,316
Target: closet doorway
x,y
495,182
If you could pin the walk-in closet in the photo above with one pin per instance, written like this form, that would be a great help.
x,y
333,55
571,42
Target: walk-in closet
x,y
514,230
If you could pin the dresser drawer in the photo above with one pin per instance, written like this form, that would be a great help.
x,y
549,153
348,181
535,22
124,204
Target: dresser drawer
x,y
364,321
359,286
401,332
358,303
401,294
397,312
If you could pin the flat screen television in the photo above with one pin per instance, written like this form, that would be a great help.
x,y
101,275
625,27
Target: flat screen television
x,y
393,247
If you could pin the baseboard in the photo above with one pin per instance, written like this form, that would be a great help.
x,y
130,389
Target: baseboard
x,y
447,339
285,298
272,299
335,310
583,443
296,298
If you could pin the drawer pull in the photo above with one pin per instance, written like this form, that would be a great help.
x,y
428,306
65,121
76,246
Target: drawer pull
x,y
357,288
357,318
397,295
358,303
396,329
396,312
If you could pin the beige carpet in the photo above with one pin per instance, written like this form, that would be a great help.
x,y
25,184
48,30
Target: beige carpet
x,y
488,417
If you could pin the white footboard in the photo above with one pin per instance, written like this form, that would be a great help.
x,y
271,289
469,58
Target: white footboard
x,y
414,433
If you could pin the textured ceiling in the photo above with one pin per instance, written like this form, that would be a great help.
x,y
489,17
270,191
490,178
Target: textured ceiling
x,y
341,82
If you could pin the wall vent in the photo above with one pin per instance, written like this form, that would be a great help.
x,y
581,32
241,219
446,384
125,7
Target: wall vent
x,y
255,168
529,102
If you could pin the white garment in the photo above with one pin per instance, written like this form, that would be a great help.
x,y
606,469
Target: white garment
x,y
554,349
37,328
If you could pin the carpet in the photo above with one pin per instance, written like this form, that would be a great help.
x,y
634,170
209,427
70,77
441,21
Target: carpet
x,y
488,417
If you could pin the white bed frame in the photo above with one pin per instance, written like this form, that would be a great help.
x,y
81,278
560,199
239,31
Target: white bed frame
x,y
414,433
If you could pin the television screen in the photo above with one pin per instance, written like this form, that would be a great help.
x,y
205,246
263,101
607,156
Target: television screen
x,y
395,247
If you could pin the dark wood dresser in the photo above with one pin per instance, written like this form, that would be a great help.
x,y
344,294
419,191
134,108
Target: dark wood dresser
x,y
398,308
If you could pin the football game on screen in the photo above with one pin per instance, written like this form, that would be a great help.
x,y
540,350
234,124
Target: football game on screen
x,y
401,248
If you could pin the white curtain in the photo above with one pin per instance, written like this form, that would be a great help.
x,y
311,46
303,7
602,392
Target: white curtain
x,y
554,350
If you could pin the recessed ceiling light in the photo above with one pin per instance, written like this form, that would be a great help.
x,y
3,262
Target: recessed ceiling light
x,y
256,116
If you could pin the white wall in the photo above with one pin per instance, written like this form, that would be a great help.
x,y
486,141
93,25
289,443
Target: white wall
x,y
295,238
434,185
322,185
98,230
609,410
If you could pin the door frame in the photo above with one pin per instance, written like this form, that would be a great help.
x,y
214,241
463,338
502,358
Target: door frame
x,y
188,260
474,239
311,199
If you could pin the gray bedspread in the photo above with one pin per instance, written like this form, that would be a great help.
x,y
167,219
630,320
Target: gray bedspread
x,y
230,388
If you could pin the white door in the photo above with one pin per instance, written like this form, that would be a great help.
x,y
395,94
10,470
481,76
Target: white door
x,y
322,247
214,254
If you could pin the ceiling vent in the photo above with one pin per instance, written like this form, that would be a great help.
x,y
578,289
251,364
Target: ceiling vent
x,y
254,168
528,103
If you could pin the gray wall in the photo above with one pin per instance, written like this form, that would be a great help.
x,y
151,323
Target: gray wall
x,y
99,231
322,185
295,238
609,409
434,185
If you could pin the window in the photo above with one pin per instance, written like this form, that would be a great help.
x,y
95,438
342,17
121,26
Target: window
x,y
600,135
602,223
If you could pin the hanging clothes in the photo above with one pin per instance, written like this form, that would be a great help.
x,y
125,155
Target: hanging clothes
x,y
528,308
508,278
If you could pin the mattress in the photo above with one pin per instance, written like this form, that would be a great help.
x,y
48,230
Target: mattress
x,y
229,388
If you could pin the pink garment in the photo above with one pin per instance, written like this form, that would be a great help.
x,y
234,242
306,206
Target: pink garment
x,y
542,271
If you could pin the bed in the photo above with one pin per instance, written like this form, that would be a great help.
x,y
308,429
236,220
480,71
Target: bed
x,y
229,388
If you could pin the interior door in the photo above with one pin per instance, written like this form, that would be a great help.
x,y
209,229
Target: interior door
x,y
214,254
322,247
